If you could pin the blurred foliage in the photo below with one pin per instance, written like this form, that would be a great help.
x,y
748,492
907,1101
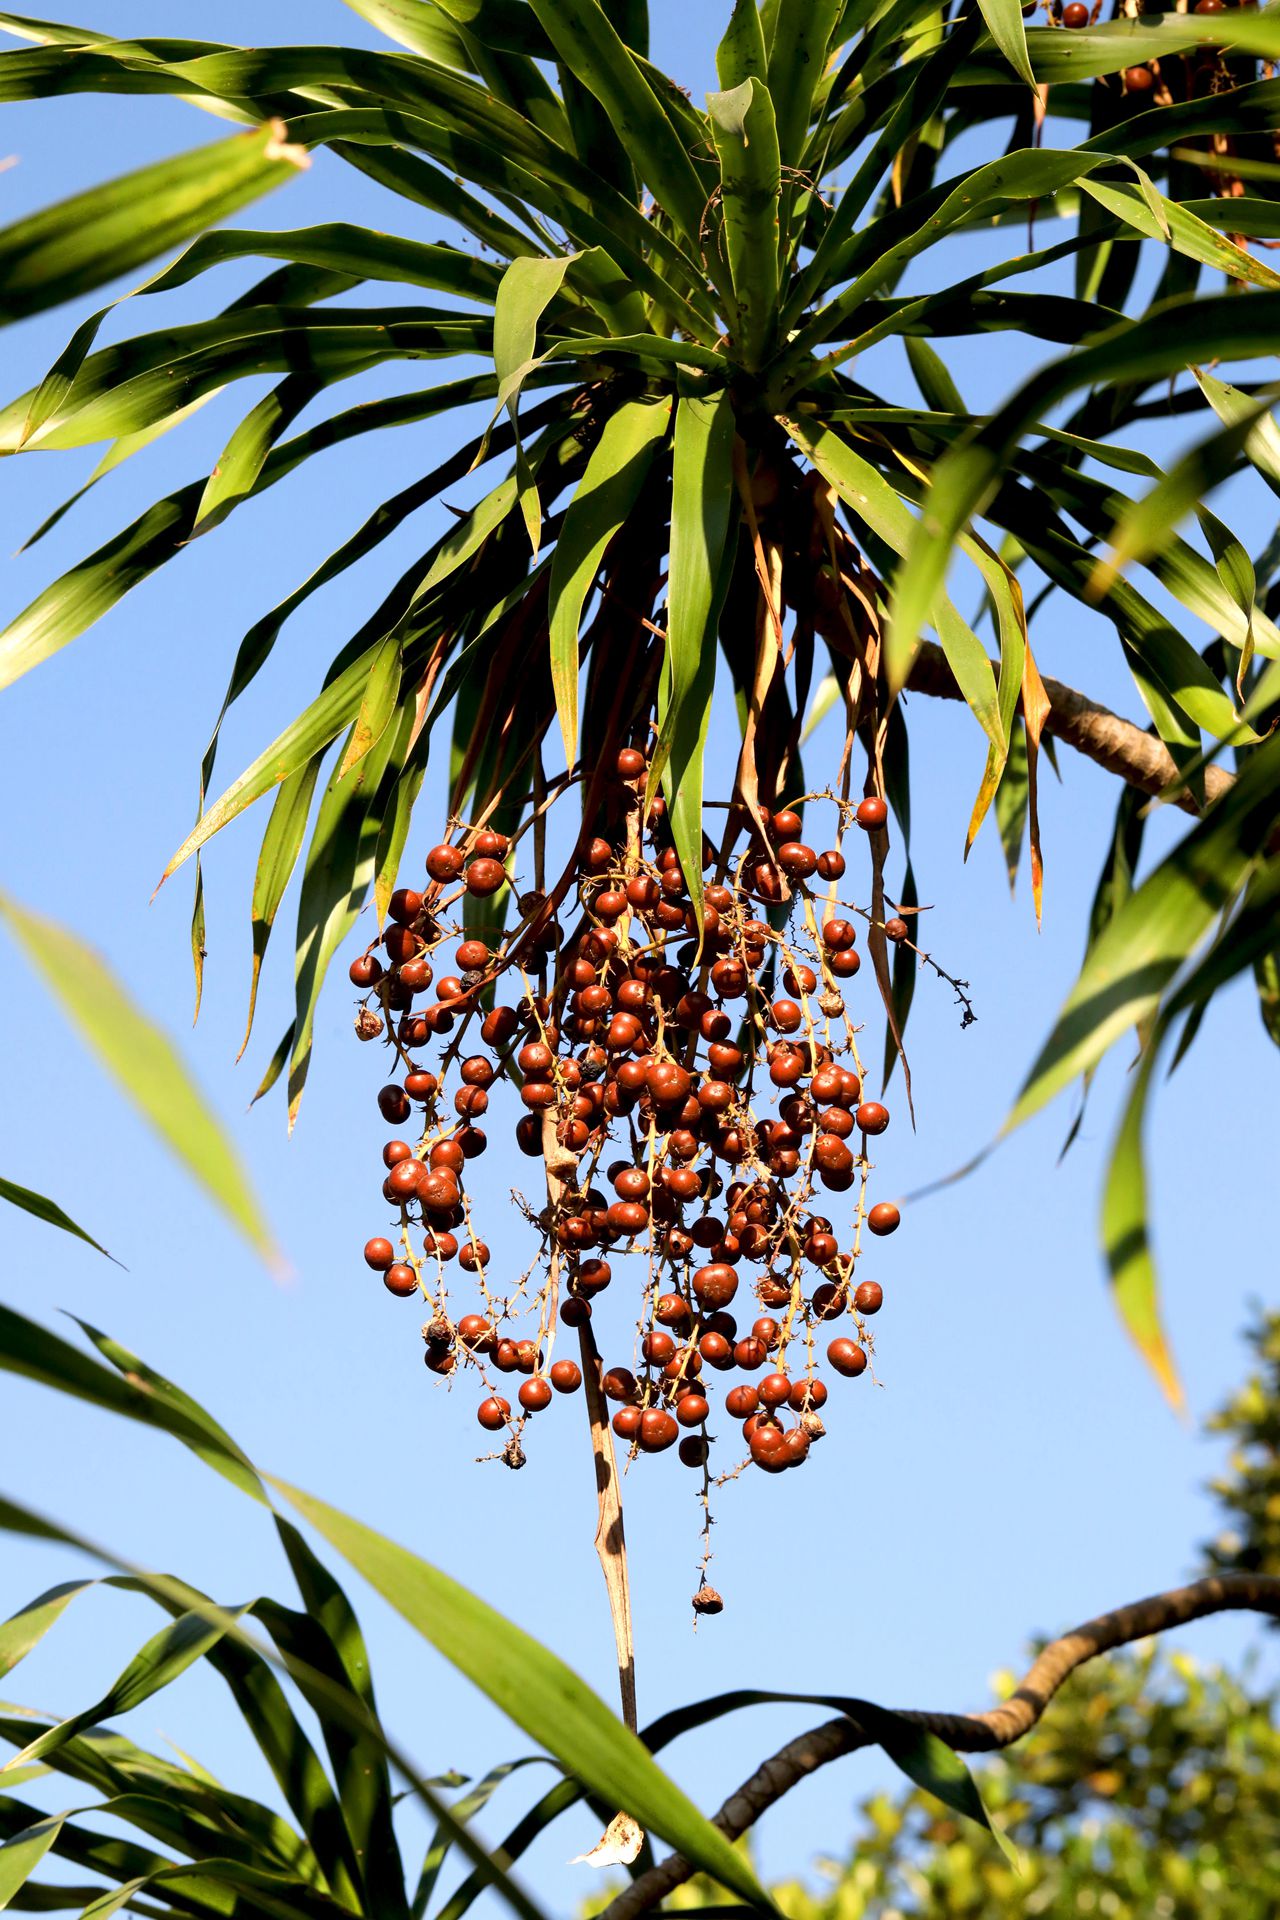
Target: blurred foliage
x,y
1151,1789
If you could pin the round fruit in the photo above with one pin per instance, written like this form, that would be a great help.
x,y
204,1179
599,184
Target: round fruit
x,y
484,877
400,1279
884,1218
873,812
1075,14
493,1413
872,1117
657,1430
868,1297
445,863
565,1376
741,1402
775,1390
393,1105
626,1423
534,1395
692,1409
378,1254
847,1357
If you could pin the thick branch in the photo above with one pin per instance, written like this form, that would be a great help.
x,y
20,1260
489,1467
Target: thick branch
x,y
1093,730
968,1733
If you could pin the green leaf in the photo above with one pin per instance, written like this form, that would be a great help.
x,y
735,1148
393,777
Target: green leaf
x,y
535,1689
606,495
464,1809
1167,339
742,54
340,865
588,44
69,248
333,708
20,1856
166,1655
702,520
1007,28
1155,930
797,61
932,1764
281,845
871,497
377,705
240,463
746,141
418,25
1262,443
1125,1240
1179,228
142,1061
33,1353
46,1210
27,1628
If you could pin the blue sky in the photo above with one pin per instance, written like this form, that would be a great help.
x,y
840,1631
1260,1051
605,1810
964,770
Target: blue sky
x,y
1016,1471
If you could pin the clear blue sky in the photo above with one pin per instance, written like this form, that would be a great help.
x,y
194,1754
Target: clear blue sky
x,y
1016,1472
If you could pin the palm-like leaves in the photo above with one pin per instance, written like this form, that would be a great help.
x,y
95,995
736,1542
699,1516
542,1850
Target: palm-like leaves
x,y
675,331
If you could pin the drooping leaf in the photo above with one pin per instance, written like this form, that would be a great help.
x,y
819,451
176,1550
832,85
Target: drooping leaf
x,y
702,500
535,1688
606,494
141,1060
77,244
46,1210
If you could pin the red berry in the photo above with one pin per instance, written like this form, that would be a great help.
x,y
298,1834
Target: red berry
x,y
626,1423
775,1390
393,1105
565,1376
741,1402
445,863
657,1430
400,1280
378,1254
493,1413
535,1395
872,1117
873,813
692,1409
365,972
1075,14
847,1357
869,1297
884,1218
485,877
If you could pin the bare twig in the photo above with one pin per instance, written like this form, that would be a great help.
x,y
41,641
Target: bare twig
x,y
984,1732
1092,729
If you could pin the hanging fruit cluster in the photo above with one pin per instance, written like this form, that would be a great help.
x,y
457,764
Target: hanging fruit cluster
x,y
691,1081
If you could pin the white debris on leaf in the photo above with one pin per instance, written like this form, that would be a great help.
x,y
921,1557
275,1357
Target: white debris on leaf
x,y
617,1846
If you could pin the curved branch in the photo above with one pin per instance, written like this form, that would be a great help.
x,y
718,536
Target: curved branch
x,y
984,1732
1092,729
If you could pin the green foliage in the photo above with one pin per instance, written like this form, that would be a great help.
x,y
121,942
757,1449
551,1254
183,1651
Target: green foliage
x,y
1249,1490
1150,1790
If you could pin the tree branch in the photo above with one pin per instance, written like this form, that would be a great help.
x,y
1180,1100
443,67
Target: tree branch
x,y
1092,729
984,1732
